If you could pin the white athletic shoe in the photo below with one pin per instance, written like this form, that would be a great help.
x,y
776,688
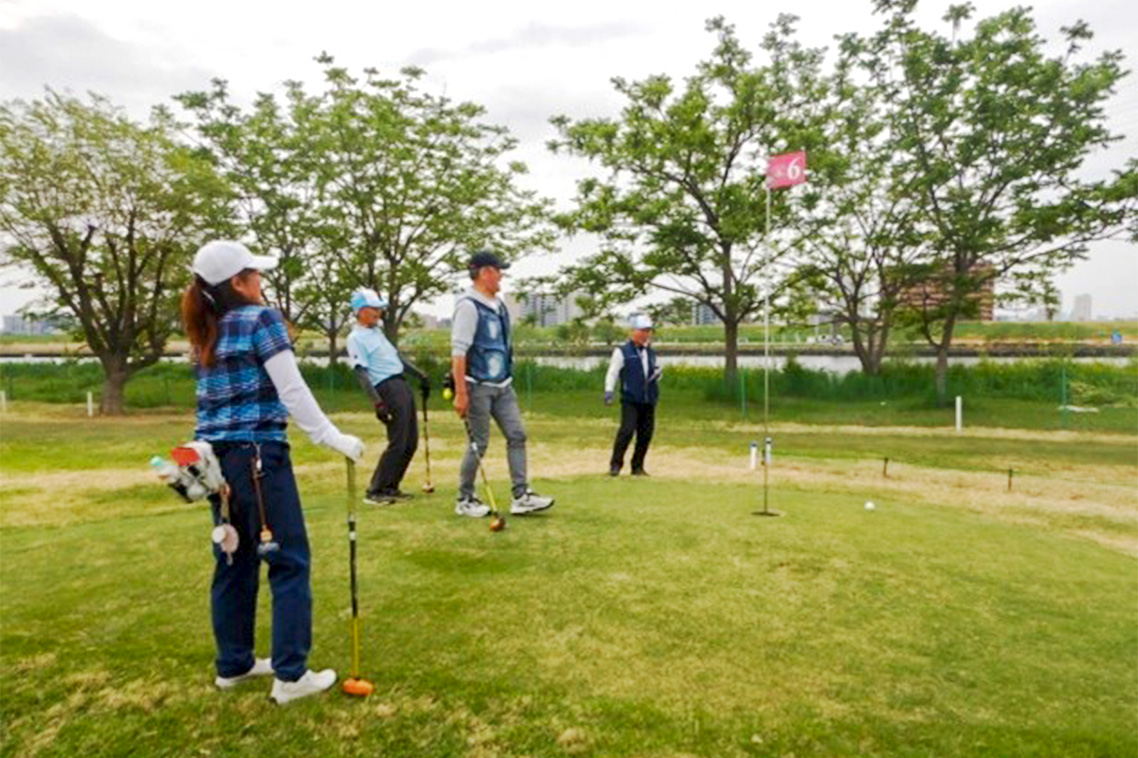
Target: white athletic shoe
x,y
471,506
311,683
261,667
531,502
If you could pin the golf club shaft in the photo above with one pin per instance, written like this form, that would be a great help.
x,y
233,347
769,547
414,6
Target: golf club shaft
x,y
427,444
481,468
355,622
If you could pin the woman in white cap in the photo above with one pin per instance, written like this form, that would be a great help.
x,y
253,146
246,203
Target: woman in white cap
x,y
634,365
248,384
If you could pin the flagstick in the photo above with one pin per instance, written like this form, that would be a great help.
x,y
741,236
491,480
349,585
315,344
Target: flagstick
x,y
767,364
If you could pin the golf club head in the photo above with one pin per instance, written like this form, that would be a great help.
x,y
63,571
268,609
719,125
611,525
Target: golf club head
x,y
497,523
358,687
428,487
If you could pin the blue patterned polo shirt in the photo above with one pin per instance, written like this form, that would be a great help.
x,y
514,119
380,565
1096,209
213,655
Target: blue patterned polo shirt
x,y
236,400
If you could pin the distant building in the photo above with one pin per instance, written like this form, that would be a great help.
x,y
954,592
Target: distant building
x,y
22,326
1082,309
933,291
549,310
702,315
512,306
429,321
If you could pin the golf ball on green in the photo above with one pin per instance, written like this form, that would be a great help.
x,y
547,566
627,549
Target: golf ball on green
x,y
869,506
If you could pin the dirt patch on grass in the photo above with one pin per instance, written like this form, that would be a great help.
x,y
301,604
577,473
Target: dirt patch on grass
x,y
1092,502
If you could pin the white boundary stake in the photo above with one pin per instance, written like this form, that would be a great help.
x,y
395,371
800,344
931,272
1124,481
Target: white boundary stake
x,y
754,454
959,413
4,403
90,405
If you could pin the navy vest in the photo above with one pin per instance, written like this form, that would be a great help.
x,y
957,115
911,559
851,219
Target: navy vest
x,y
634,385
491,356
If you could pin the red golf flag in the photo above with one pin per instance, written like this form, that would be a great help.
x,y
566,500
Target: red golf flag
x,y
786,170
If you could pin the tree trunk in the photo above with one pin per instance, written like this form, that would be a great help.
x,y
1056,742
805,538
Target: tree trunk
x,y
731,352
942,361
115,376
942,374
333,348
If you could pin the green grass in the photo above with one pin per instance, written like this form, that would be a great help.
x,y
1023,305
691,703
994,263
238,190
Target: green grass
x,y
639,617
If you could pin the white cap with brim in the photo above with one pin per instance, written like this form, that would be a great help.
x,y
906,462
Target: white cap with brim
x,y
221,260
641,321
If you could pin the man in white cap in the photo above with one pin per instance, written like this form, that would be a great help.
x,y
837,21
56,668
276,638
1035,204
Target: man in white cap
x,y
634,364
380,368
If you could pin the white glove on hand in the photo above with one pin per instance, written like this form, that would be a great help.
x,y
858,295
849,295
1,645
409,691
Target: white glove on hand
x,y
350,446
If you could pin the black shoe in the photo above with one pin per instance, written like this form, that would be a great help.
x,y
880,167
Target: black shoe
x,y
640,472
387,498
614,471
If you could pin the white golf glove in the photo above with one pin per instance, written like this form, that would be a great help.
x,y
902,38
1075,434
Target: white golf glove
x,y
349,445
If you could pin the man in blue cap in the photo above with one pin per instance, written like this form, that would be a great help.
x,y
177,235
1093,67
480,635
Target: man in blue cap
x,y
380,368
634,364
482,363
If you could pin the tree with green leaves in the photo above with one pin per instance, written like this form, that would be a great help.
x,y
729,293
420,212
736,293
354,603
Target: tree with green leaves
x,y
262,154
682,206
105,214
992,134
410,183
856,229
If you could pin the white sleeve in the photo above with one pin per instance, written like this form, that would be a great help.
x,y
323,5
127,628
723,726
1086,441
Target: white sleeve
x,y
297,398
616,363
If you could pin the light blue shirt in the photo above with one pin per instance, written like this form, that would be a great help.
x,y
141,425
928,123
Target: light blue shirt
x,y
370,348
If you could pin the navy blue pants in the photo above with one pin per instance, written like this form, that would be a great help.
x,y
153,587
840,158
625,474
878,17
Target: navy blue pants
x,y
233,595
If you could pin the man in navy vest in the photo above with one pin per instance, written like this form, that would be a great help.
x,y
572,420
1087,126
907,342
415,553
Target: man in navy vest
x,y
482,363
634,363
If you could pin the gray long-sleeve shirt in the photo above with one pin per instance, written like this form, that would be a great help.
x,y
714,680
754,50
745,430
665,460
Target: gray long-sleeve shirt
x,y
464,324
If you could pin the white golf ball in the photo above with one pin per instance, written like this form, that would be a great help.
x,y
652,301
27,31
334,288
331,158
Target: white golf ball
x,y
869,506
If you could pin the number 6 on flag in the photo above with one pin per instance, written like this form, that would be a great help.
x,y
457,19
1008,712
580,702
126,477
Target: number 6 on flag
x,y
786,170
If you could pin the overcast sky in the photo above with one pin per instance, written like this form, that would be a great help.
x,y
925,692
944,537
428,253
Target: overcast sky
x,y
525,61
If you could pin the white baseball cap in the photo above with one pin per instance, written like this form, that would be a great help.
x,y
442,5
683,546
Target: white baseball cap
x,y
641,321
366,299
221,260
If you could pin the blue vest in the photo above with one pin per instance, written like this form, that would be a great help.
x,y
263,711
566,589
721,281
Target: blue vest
x,y
491,356
634,385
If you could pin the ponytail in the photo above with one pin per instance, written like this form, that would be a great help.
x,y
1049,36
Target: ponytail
x,y
202,308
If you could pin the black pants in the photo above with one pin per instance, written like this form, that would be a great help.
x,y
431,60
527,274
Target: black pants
x,y
402,436
638,418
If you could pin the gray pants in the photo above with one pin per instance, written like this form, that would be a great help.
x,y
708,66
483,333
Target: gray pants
x,y
501,403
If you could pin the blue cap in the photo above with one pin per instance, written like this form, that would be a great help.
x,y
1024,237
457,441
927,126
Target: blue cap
x,y
366,299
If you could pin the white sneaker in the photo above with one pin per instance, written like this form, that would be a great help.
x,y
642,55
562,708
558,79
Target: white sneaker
x,y
311,683
531,502
471,506
261,667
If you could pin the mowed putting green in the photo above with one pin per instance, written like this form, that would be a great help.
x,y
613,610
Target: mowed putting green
x,y
641,617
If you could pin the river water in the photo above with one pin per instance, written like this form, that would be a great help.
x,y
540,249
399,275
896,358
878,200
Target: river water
x,y
837,364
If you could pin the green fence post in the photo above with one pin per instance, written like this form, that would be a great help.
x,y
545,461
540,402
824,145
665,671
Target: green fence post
x,y
1063,394
529,387
743,392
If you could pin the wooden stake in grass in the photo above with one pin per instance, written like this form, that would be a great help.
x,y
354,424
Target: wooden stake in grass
x,y
885,468
1009,480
